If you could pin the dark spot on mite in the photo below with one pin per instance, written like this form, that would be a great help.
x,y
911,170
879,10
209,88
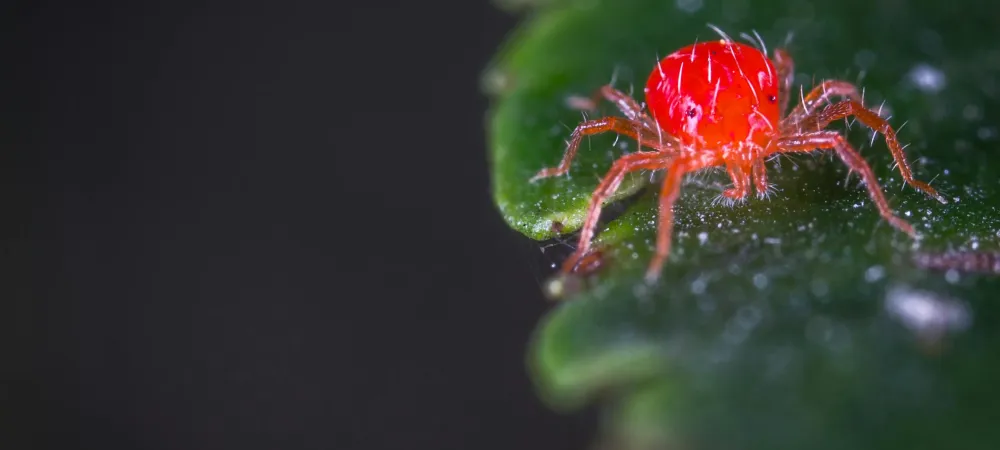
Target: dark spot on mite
x,y
556,227
691,112
714,53
772,98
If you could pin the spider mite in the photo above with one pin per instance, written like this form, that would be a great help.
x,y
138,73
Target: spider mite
x,y
723,103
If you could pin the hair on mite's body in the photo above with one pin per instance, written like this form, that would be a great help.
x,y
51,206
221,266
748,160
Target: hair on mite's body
x,y
725,104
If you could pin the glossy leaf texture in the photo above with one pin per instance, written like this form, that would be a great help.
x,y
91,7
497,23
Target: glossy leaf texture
x,y
801,321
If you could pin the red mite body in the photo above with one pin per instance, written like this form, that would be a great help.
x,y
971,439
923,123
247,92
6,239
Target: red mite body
x,y
715,95
723,103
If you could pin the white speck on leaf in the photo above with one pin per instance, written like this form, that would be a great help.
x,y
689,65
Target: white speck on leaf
x,y
689,6
874,273
986,133
865,58
760,281
927,78
951,276
927,314
698,286
819,288
971,112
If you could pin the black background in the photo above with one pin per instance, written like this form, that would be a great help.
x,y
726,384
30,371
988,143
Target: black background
x,y
260,225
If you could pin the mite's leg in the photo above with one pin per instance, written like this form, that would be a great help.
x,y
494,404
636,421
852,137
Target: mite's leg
x,y
616,124
819,96
629,107
760,178
741,183
624,102
608,185
872,120
808,142
786,76
664,232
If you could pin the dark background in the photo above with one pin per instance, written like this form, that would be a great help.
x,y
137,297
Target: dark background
x,y
260,225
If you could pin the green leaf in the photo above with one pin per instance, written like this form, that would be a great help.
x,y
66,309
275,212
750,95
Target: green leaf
x,y
803,321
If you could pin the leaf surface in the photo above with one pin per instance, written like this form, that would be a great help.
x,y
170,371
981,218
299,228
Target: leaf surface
x,y
801,321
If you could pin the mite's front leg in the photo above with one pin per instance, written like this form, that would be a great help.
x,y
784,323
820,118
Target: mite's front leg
x,y
616,124
630,108
786,75
808,142
664,233
760,178
741,183
609,184
797,120
872,120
